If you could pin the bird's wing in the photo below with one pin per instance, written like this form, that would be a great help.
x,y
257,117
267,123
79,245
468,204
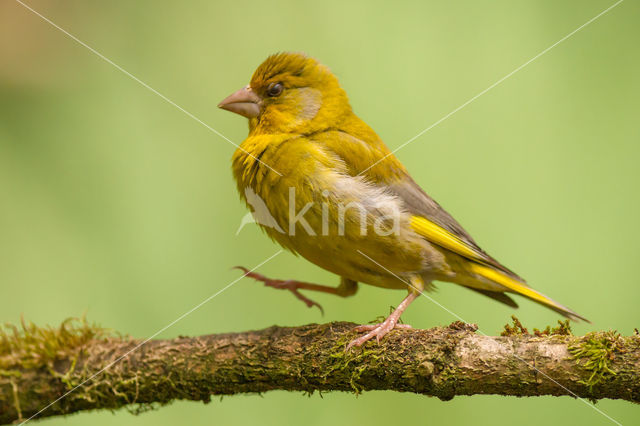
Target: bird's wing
x,y
435,224
365,155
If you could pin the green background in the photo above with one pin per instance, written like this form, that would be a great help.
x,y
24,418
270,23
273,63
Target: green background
x,y
115,202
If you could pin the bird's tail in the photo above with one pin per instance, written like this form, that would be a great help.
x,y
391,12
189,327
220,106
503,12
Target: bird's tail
x,y
515,286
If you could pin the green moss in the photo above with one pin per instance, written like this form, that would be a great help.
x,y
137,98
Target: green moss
x,y
563,329
594,352
30,346
517,329
352,364
371,351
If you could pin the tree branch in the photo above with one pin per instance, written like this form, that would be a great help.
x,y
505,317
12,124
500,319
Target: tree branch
x,y
442,362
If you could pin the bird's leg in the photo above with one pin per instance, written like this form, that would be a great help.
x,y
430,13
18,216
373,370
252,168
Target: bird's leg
x,y
380,330
347,287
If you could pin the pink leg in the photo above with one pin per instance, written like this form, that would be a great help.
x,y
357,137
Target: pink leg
x,y
380,330
292,286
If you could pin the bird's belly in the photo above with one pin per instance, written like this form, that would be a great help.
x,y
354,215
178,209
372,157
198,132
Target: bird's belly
x,y
370,248
383,263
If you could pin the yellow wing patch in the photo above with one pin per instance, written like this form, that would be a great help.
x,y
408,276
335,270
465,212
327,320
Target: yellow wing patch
x,y
449,241
512,284
484,268
445,239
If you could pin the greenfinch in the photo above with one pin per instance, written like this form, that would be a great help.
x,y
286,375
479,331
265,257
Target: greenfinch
x,y
331,191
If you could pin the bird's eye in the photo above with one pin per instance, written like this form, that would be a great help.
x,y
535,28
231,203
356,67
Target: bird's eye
x,y
274,89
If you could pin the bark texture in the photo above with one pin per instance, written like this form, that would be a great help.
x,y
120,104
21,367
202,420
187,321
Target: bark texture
x,y
441,362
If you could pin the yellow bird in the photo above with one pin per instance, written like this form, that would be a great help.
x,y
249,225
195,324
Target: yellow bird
x,y
324,185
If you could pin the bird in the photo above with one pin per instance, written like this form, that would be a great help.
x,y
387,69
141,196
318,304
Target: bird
x,y
342,200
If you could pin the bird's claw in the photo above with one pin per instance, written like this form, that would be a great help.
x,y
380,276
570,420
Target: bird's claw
x,y
371,327
375,330
290,285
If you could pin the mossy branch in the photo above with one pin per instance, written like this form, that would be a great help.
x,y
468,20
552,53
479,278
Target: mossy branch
x,y
39,365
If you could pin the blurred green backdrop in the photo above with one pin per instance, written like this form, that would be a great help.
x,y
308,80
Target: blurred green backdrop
x,y
115,202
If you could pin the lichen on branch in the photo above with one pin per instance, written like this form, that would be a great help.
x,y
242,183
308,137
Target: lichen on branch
x,y
40,364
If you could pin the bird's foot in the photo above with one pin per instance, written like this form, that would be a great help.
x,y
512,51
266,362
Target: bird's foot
x,y
291,285
380,330
376,330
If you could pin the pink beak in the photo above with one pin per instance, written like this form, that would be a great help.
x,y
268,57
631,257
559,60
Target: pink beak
x,y
244,102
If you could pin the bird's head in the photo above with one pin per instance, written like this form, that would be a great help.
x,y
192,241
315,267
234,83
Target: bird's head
x,y
290,93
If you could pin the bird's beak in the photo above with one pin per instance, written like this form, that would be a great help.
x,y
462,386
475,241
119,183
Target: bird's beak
x,y
244,102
